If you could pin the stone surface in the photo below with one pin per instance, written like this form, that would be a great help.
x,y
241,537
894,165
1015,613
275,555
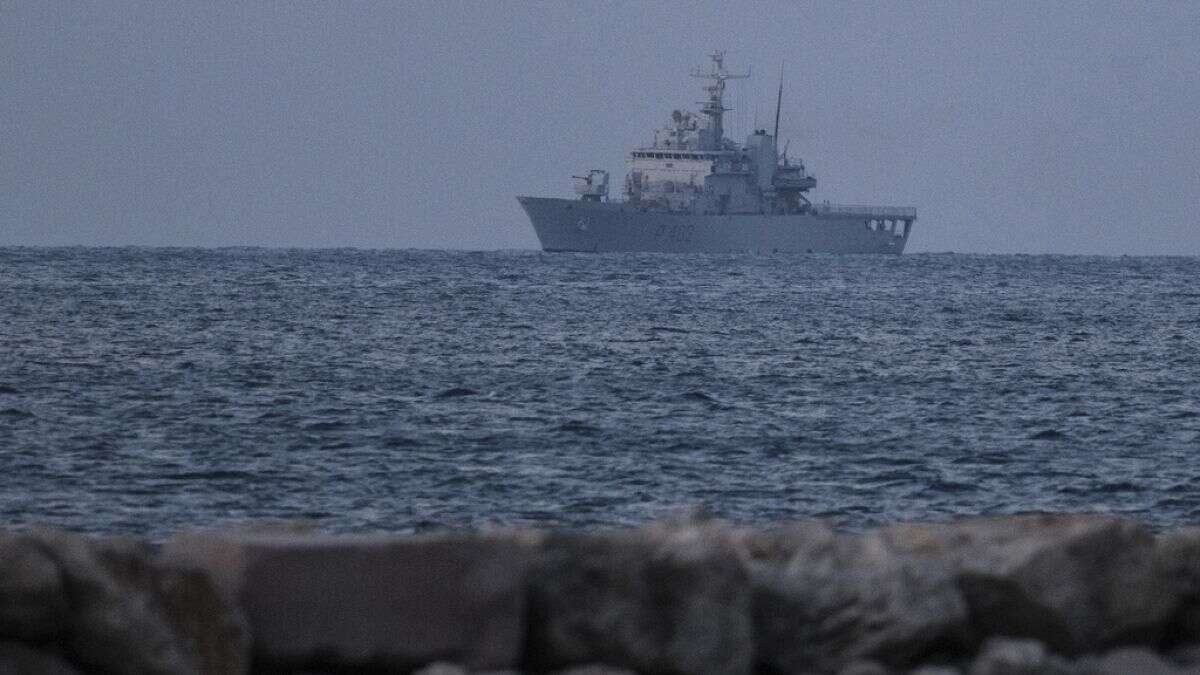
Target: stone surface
x,y
101,604
864,668
1187,655
1006,656
33,599
1131,661
672,598
1078,583
595,669
369,601
781,543
214,630
20,659
442,668
840,598
117,620
992,596
1177,554
1184,627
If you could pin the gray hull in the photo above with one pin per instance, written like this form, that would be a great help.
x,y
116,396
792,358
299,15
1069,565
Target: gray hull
x,y
576,225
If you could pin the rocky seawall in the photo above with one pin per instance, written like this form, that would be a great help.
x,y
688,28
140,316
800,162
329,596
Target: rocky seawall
x,y
1067,594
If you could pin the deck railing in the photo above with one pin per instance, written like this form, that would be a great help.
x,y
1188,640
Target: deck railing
x,y
896,212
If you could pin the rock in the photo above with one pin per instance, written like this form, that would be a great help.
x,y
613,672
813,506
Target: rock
x,y
33,599
1186,655
213,628
663,599
1078,583
780,544
842,598
595,669
1005,656
863,668
442,668
116,621
690,595
20,659
1130,661
1177,553
100,601
367,601
113,625
445,668
1184,627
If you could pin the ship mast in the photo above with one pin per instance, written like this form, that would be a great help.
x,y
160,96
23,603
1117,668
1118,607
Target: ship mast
x,y
778,106
714,107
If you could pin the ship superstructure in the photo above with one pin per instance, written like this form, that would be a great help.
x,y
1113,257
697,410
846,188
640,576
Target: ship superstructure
x,y
694,190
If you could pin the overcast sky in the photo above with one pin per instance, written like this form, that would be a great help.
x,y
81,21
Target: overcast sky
x,y
1012,127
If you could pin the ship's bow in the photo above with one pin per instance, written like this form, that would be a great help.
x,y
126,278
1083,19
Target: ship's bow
x,y
559,223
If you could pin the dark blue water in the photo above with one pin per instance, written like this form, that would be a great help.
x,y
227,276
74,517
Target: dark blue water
x,y
150,390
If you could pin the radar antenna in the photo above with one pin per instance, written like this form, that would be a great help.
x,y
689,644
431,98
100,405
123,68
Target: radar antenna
x,y
714,107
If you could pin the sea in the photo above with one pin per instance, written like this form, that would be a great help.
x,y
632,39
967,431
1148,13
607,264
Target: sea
x,y
146,391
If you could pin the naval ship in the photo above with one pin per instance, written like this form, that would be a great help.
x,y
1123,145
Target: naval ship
x,y
695,191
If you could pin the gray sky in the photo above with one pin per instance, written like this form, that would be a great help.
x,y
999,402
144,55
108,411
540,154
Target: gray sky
x,y
1012,127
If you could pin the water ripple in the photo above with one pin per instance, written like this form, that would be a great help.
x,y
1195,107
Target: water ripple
x,y
149,390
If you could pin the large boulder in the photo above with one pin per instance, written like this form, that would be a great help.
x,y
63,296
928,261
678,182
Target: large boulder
x,y
33,598
367,601
1078,583
1177,554
824,600
1007,656
1131,661
104,604
670,598
21,659
213,628
121,617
